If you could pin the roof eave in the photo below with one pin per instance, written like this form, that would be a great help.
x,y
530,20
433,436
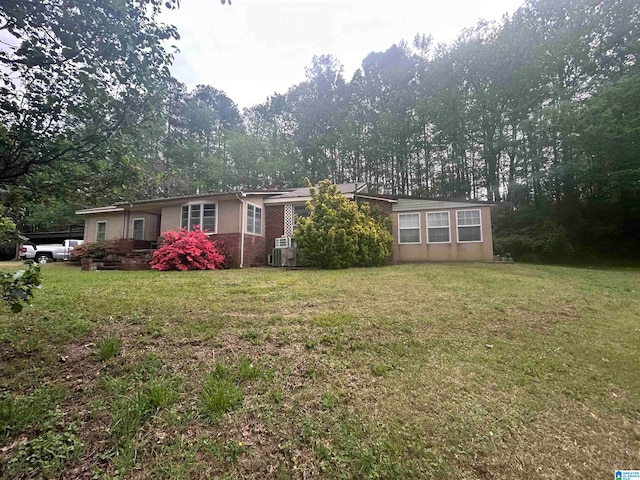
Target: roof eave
x,y
109,209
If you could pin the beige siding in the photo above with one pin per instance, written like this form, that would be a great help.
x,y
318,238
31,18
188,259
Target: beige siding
x,y
115,225
416,204
150,225
445,252
170,218
227,211
228,216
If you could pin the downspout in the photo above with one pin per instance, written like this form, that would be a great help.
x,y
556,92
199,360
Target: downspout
x,y
242,209
125,227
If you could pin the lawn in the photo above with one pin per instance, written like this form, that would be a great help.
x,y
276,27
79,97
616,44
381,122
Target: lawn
x,y
472,371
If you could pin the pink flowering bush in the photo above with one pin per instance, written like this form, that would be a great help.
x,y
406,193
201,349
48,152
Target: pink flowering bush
x,y
187,250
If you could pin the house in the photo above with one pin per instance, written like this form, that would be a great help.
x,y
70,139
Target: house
x,y
255,225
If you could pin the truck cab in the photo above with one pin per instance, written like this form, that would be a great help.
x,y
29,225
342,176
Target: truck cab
x,y
49,253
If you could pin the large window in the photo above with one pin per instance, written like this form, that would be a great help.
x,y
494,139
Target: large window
x,y
203,214
469,226
138,228
408,228
101,231
254,219
438,227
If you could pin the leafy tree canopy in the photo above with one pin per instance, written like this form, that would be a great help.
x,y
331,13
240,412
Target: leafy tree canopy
x,y
72,74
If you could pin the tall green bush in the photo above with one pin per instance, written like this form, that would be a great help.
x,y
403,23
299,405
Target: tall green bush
x,y
544,241
340,234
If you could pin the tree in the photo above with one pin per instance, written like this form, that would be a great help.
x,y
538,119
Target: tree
x,y
273,124
317,108
340,234
72,74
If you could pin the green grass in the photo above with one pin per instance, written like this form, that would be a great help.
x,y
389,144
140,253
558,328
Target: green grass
x,y
218,397
47,453
108,347
469,371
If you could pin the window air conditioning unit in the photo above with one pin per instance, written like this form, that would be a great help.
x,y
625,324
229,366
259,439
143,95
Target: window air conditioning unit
x,y
283,242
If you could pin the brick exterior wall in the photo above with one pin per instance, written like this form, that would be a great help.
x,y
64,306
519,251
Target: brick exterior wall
x,y
385,207
232,241
254,251
274,226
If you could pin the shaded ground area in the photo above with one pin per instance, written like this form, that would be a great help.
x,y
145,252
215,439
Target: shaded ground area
x,y
417,371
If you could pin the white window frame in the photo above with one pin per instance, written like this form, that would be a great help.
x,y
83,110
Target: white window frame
x,y
412,228
458,226
190,205
104,222
249,204
133,227
448,212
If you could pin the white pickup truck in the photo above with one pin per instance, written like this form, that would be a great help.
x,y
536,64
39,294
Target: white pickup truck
x,y
49,253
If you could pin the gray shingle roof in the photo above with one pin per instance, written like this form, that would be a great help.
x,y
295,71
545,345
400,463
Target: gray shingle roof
x,y
344,188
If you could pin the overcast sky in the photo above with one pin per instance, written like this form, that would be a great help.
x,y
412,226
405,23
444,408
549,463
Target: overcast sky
x,y
254,48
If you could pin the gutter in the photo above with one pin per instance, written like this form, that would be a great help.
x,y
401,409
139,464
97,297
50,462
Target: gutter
x,y
242,209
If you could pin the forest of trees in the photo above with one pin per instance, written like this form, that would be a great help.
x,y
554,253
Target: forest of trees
x,y
540,111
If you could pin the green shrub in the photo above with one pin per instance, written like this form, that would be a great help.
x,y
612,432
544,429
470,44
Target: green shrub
x,y
546,240
18,287
338,233
94,250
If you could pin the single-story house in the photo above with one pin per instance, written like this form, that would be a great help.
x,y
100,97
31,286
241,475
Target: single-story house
x,y
257,226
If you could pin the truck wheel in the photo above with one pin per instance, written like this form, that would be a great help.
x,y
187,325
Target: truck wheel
x,y
43,258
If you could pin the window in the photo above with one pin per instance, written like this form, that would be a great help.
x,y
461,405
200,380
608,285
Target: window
x,y
101,231
469,226
138,228
254,219
408,228
299,211
203,214
208,221
438,227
